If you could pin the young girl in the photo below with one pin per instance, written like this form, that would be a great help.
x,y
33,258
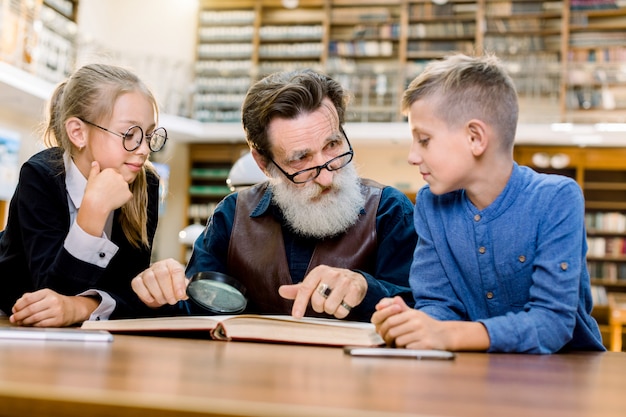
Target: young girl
x,y
83,217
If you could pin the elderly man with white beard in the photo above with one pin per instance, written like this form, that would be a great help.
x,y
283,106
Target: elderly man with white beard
x,y
313,240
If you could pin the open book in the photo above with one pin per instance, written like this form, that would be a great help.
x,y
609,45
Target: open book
x,y
250,327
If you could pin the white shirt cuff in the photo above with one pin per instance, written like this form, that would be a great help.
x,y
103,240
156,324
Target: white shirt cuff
x,y
94,250
106,306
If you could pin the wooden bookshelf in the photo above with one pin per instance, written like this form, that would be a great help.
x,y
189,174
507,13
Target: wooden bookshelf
x,y
209,166
567,63
226,45
365,56
594,81
601,173
39,36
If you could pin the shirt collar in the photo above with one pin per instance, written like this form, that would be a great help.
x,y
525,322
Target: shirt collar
x,y
265,202
75,181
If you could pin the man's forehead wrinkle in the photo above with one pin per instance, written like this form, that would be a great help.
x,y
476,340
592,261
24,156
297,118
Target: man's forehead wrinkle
x,y
331,112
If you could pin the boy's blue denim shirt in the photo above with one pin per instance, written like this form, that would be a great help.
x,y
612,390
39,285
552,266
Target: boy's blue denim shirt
x,y
518,266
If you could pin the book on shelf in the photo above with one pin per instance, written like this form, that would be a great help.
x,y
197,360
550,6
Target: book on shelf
x,y
599,295
251,328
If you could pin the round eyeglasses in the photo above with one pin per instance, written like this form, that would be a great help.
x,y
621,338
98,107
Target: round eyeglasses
x,y
133,137
310,174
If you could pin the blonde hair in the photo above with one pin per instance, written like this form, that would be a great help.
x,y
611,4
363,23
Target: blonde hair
x,y
90,94
464,87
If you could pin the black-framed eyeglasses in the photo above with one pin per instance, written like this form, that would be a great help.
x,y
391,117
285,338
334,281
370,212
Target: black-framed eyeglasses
x,y
310,174
133,137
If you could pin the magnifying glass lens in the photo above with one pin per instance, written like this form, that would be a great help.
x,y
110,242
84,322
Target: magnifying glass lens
x,y
217,293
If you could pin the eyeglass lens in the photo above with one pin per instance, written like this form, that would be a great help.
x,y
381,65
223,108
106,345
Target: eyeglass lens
x,y
332,165
134,136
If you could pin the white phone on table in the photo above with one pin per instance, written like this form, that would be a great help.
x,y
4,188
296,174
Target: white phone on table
x,y
383,352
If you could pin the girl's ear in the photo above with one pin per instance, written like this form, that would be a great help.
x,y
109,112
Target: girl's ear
x,y
75,129
478,137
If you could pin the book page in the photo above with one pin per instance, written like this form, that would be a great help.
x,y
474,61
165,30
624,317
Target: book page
x,y
156,323
317,331
251,327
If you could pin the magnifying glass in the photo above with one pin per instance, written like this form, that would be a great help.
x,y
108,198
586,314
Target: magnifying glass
x,y
217,292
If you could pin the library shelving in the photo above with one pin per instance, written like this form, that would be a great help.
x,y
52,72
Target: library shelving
x,y
601,173
366,52
566,58
223,61
594,84
291,38
209,166
527,36
39,36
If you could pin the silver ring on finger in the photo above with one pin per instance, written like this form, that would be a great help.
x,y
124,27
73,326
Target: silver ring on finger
x,y
324,290
346,306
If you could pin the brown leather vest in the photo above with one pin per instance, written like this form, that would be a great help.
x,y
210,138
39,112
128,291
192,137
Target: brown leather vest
x,y
256,253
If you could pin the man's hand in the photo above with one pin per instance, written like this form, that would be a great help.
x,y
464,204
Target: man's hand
x,y
334,291
163,283
47,308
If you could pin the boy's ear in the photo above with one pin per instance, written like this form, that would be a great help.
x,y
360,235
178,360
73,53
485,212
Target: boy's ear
x,y
478,137
76,132
260,160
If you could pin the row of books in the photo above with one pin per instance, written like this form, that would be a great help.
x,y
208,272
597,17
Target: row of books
x,y
217,116
440,45
607,271
225,50
226,33
361,14
201,211
597,39
223,66
605,221
206,100
386,31
592,4
526,25
223,84
442,29
516,44
291,50
606,246
507,8
449,9
291,32
211,17
599,295
604,54
361,48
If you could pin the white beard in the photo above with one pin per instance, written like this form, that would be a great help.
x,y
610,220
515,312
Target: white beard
x,y
310,213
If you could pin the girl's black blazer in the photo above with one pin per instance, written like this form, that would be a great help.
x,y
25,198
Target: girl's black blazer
x,y
32,255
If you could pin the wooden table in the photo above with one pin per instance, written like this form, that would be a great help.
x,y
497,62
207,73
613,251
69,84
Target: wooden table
x,y
162,377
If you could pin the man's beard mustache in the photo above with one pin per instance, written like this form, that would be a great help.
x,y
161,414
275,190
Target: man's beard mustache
x,y
309,212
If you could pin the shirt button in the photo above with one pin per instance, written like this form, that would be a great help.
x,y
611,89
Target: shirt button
x,y
489,295
522,258
482,249
477,217
102,254
564,266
